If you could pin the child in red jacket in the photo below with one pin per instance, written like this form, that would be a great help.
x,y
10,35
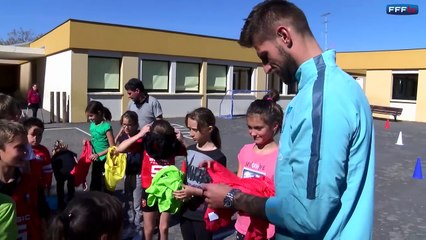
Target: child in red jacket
x,y
19,185
41,167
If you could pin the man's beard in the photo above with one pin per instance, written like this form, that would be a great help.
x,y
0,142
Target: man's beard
x,y
288,67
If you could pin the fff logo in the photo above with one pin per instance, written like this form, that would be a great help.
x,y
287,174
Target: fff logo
x,y
402,9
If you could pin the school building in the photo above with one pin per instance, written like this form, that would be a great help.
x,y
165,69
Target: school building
x,y
79,61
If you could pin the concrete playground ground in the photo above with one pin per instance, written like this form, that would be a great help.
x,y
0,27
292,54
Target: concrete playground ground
x,y
400,200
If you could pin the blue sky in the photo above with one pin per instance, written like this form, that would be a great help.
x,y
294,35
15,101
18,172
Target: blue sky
x,y
352,25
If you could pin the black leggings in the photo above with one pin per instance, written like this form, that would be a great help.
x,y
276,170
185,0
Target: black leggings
x,y
34,107
60,185
97,183
194,230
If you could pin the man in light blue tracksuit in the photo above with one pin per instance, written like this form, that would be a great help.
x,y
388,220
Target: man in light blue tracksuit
x,y
324,179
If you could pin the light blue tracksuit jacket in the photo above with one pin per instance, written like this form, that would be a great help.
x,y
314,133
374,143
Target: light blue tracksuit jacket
x,y
324,177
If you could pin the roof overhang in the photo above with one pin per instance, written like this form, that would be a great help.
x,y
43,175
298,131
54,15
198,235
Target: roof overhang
x,y
20,53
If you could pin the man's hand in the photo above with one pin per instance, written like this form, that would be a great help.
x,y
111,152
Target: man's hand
x,y
249,204
215,193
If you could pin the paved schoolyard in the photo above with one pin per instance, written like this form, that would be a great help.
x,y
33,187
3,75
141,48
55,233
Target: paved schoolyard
x,y
399,199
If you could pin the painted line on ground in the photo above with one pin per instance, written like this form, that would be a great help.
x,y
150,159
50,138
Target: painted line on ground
x,y
69,128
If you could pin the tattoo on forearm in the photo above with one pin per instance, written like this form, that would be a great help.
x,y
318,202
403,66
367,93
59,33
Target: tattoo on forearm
x,y
254,206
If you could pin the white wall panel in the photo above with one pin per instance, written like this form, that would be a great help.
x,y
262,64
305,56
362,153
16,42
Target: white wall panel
x,y
57,78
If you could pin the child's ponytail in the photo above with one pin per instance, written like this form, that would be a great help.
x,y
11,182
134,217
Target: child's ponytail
x,y
272,95
96,107
107,114
215,137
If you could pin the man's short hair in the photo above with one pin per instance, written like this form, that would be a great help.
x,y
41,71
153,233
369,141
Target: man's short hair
x,y
33,122
9,130
134,84
260,25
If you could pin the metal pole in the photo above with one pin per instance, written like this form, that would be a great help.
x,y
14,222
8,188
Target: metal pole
x,y
325,16
52,107
64,107
58,107
232,104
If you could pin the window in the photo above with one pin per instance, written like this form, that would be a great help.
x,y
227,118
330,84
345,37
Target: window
x,y
155,75
104,74
187,77
275,82
405,86
216,78
242,78
292,88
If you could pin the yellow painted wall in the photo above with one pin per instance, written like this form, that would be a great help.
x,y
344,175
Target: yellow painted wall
x,y
203,84
76,34
378,67
78,100
96,36
261,82
25,81
378,87
421,97
56,40
397,59
129,69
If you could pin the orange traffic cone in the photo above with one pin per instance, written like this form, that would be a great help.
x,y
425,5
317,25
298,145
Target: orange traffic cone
x,y
387,124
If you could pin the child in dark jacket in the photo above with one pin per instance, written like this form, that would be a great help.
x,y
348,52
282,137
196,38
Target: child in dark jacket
x,y
63,161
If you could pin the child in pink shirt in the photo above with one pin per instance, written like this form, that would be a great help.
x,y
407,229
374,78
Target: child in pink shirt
x,y
264,120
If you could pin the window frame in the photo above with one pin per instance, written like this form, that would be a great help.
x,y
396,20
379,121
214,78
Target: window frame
x,y
250,77
169,64
284,88
406,77
176,80
226,78
94,90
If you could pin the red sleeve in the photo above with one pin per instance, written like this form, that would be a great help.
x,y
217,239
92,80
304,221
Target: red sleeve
x,y
146,171
136,147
